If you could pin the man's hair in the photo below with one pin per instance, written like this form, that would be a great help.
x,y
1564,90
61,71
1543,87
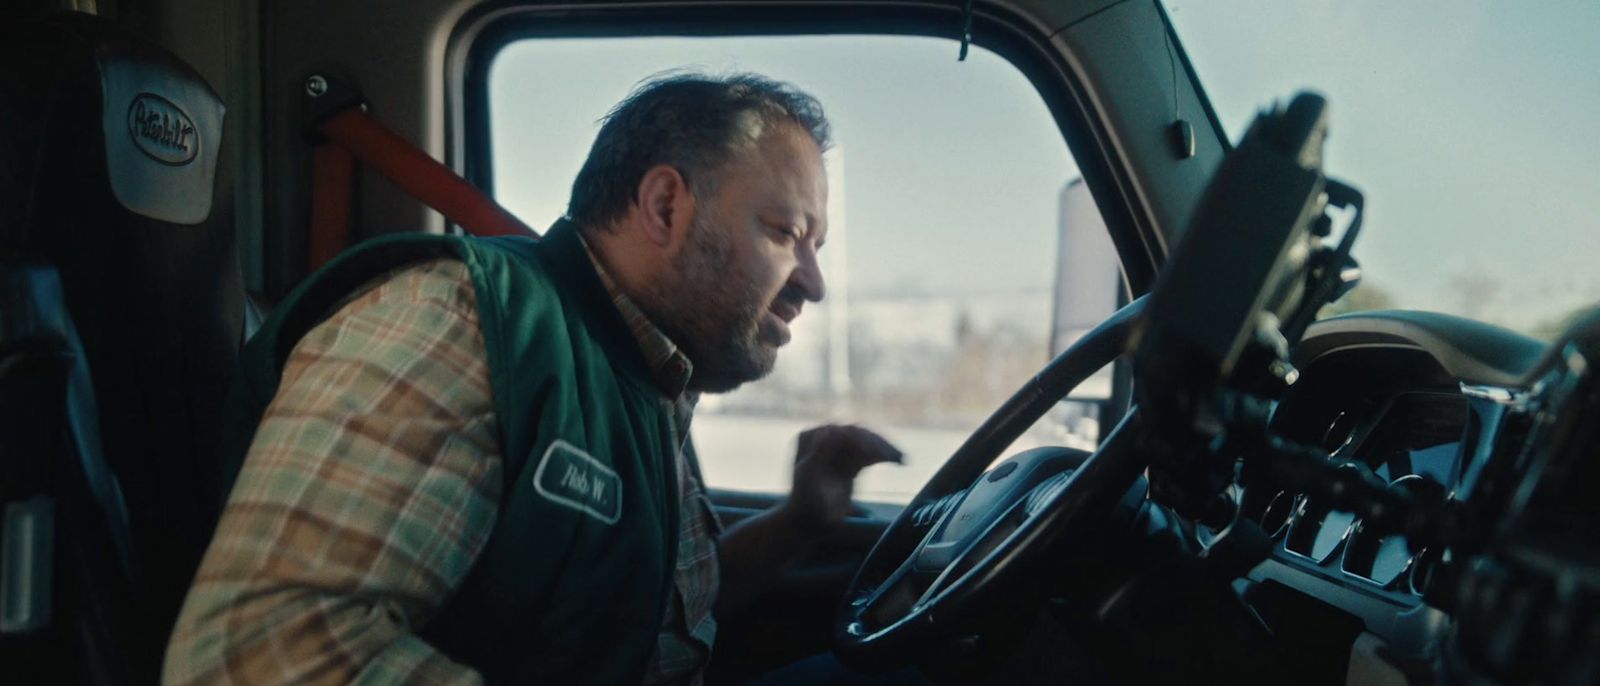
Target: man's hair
x,y
690,121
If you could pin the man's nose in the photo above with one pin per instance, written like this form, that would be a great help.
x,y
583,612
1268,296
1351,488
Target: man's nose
x,y
807,277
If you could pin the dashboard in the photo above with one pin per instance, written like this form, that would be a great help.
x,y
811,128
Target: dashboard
x,y
1424,402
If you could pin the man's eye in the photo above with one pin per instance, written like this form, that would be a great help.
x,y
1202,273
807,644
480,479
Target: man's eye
x,y
787,233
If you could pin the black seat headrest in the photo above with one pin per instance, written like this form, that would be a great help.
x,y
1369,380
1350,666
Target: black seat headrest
x,y
110,151
163,129
100,107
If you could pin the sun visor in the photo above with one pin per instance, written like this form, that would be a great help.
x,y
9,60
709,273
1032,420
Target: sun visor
x,y
163,130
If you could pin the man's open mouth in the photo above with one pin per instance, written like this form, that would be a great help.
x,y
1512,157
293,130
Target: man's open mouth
x,y
785,311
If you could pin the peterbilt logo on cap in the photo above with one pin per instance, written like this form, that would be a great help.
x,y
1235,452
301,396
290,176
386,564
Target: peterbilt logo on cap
x,y
162,130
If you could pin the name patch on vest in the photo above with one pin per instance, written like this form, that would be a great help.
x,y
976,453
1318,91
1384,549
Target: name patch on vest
x,y
571,478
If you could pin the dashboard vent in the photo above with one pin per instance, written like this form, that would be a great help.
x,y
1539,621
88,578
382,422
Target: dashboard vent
x,y
930,513
1046,491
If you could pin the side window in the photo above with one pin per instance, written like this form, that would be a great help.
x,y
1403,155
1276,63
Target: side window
x,y
963,248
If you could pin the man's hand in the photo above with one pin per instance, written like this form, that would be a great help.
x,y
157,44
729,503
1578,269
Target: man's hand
x,y
826,462
755,552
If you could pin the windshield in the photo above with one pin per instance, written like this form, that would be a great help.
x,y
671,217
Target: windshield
x,y
1471,127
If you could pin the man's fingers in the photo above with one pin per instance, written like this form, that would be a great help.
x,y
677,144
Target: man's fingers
x,y
845,449
885,450
806,442
861,448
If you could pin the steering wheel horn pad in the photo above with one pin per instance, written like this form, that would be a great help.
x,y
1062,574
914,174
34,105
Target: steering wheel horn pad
x,y
989,499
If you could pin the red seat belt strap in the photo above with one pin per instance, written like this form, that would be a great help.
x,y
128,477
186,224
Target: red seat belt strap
x,y
332,170
420,176
349,133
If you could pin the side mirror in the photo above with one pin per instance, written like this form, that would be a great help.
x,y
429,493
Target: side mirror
x,y
1088,281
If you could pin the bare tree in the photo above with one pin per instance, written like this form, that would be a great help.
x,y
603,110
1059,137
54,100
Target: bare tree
x,y
1475,291
1366,296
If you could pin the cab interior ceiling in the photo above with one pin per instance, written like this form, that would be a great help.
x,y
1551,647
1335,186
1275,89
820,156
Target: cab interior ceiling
x,y
1103,67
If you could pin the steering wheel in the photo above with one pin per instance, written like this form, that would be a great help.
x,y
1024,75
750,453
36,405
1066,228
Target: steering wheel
x,y
963,537
1252,258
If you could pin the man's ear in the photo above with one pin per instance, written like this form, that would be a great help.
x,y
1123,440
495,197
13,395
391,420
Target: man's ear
x,y
666,206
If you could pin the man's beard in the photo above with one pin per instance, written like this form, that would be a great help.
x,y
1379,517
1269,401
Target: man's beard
x,y
715,313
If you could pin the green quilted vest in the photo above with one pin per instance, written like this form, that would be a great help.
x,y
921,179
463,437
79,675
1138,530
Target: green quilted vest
x,y
574,580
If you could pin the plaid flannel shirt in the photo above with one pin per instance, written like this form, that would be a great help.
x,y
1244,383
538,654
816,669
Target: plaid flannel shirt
x,y
370,488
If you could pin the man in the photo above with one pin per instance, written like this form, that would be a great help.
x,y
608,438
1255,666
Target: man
x,y
468,460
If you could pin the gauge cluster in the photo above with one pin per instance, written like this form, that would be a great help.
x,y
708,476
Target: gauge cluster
x,y
1404,407
1412,440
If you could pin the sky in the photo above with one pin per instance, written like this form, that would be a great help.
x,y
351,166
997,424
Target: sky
x,y
1471,126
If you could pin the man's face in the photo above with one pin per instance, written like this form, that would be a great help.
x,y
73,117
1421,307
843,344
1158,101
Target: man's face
x,y
749,261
